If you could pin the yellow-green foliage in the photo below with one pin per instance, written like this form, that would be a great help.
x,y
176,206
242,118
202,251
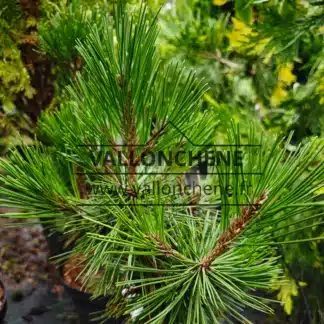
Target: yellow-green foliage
x,y
14,78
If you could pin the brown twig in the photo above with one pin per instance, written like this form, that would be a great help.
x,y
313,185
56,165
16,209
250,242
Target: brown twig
x,y
150,143
234,230
163,247
217,57
131,142
81,183
129,133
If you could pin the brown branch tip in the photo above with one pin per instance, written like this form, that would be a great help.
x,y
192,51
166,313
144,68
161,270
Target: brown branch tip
x,y
168,251
236,227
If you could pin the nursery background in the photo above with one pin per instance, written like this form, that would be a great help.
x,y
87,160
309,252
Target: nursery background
x,y
262,64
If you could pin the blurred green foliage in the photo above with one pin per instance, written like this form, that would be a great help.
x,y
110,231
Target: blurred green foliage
x,y
14,76
261,58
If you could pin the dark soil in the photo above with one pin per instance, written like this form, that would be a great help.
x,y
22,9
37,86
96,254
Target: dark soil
x,y
24,256
33,285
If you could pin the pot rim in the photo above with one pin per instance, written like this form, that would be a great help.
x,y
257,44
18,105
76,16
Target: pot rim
x,y
74,288
4,301
87,293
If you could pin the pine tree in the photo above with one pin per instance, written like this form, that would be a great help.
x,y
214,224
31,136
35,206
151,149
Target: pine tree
x,y
183,256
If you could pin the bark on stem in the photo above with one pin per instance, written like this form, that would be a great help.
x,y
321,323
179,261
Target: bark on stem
x,y
168,251
234,230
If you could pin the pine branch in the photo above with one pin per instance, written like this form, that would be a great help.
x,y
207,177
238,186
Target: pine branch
x,y
163,247
131,143
151,142
129,131
81,183
236,227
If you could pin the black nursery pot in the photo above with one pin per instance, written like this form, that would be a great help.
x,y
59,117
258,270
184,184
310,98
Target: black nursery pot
x,y
86,307
55,241
3,308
